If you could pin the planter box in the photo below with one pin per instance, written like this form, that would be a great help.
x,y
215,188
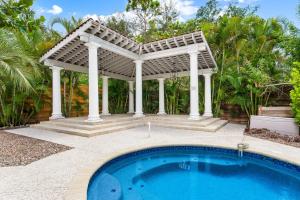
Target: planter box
x,y
281,125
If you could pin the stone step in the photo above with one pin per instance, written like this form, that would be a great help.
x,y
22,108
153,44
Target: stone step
x,y
201,122
77,126
177,117
90,127
106,119
210,128
85,133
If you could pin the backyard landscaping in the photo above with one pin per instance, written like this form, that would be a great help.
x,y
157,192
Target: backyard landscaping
x,y
150,102
254,58
275,137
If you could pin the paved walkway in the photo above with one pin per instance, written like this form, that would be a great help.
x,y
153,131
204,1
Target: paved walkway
x,y
51,177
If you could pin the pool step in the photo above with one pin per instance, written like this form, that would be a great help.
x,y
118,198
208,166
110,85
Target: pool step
x,y
105,186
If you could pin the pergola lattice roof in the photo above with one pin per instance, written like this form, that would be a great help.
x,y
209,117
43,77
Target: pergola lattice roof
x,y
117,52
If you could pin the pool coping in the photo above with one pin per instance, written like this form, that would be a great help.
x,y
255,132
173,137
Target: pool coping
x,y
79,185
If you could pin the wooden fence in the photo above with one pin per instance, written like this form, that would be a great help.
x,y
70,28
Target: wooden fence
x,y
79,104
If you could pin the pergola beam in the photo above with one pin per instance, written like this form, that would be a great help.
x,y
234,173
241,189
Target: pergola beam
x,y
173,52
178,74
77,68
86,37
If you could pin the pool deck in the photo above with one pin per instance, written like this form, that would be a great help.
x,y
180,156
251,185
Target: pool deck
x,y
64,176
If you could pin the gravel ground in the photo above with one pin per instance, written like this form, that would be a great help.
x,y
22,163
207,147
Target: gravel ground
x,y
16,150
275,137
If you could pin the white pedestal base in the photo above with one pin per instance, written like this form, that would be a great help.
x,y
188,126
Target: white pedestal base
x,y
161,113
94,119
194,117
207,115
138,115
56,116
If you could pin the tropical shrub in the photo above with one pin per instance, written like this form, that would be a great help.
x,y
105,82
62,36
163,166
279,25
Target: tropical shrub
x,y
295,93
23,80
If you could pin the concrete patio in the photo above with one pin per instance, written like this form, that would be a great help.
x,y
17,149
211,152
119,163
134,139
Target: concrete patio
x,y
64,175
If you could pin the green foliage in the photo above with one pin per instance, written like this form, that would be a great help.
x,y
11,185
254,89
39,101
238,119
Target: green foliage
x,y
143,5
295,93
19,16
119,25
118,96
23,81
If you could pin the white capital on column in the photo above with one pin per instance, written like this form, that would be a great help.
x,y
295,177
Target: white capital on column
x,y
56,93
161,97
194,96
93,83
105,110
207,104
138,89
131,97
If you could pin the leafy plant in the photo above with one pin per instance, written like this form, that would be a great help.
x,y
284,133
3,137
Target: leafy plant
x,y
295,93
19,16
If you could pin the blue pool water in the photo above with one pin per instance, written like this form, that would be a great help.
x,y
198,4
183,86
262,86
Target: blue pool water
x,y
194,173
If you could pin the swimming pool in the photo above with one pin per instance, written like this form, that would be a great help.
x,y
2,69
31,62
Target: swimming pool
x,y
194,173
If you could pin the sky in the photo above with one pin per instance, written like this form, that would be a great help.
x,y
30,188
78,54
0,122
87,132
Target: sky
x,y
187,8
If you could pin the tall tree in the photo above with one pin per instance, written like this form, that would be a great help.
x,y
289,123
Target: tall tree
x,y
169,14
146,11
121,25
209,12
298,10
236,11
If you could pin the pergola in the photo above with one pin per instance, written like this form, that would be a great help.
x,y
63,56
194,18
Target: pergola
x,y
97,50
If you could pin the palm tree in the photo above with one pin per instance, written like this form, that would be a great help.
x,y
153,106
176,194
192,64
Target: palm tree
x,y
21,79
68,25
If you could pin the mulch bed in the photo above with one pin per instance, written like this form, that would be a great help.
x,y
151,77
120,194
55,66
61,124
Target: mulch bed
x,y
16,150
273,136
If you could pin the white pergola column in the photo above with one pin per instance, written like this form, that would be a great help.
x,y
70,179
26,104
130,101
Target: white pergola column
x,y
138,89
194,96
161,97
207,104
105,110
56,94
93,83
131,97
